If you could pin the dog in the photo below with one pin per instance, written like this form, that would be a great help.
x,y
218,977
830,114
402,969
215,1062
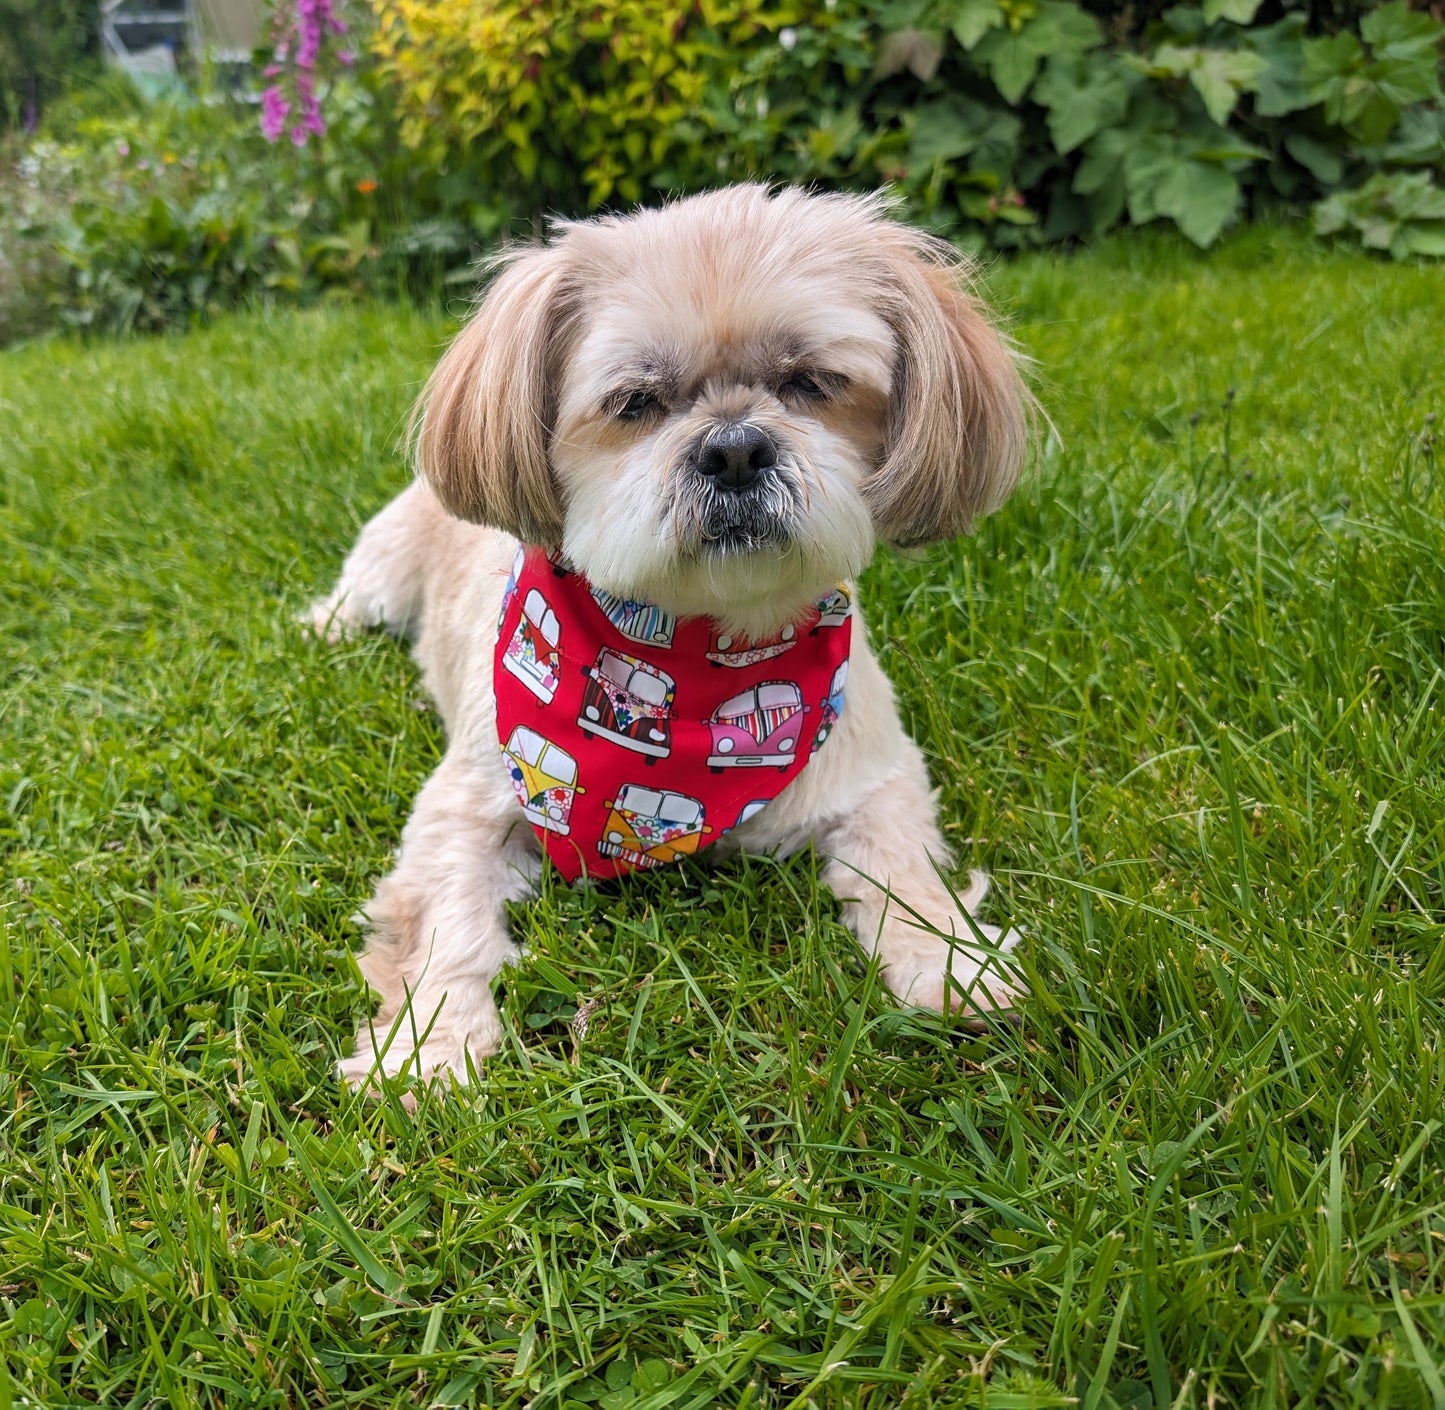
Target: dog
x,y
692,422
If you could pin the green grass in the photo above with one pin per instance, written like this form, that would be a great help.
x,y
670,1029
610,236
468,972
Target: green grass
x,y
1183,697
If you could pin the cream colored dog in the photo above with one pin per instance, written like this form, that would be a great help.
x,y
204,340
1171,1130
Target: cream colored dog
x,y
570,413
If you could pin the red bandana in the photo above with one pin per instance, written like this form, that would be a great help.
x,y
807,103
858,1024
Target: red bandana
x,y
634,738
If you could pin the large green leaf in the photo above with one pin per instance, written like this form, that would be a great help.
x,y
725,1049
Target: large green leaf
x,y
1218,75
1419,239
1395,31
1013,56
951,127
1012,61
1405,80
1240,11
1103,163
1199,198
1405,48
1325,164
1083,96
1339,76
1331,59
1414,195
1148,163
970,20
1419,140
1281,86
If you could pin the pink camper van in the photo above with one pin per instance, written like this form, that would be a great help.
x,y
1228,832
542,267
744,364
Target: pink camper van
x,y
759,727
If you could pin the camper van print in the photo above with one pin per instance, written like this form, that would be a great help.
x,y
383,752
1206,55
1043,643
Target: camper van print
x,y
832,704
725,649
833,610
759,727
637,621
630,702
518,560
749,810
531,654
544,776
650,827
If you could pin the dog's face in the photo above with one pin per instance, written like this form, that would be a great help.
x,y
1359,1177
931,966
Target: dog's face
x,y
721,405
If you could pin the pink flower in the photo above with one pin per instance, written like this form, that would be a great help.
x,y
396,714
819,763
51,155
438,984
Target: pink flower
x,y
301,32
274,110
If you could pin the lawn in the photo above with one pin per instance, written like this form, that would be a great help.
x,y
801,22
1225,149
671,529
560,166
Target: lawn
x,y
1185,698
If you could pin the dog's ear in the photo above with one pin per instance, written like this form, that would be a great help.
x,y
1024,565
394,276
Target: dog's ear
x,y
959,412
482,424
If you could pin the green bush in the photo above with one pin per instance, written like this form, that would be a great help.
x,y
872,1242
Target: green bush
x,y
566,105
1015,122
125,214
147,219
1005,123
44,45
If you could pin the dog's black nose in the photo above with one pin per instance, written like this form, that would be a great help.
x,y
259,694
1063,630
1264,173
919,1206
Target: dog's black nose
x,y
735,455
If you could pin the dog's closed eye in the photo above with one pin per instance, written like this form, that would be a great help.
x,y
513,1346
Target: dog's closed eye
x,y
817,386
634,406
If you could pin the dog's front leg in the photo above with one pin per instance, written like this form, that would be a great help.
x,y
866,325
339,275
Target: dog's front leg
x,y
883,863
438,927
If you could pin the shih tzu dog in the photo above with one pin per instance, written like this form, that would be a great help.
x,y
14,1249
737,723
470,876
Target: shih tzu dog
x,y
649,467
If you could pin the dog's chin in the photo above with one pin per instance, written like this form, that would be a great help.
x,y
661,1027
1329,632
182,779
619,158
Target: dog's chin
x,y
737,541
732,531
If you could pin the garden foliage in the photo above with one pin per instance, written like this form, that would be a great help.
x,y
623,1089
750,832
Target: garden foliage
x,y
1022,121
566,106
43,45
1004,123
159,214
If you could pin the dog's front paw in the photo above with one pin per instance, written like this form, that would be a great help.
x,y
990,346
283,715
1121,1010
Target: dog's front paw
x,y
432,1057
327,620
926,971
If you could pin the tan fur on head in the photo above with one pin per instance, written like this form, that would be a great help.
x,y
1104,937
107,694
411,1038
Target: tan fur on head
x,y
482,423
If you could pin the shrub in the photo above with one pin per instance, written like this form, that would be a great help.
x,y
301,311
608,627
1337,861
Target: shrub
x,y
571,104
171,211
44,44
1008,122
1015,122
1003,122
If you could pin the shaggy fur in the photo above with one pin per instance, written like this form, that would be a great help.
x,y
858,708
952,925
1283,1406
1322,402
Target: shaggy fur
x,y
571,411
